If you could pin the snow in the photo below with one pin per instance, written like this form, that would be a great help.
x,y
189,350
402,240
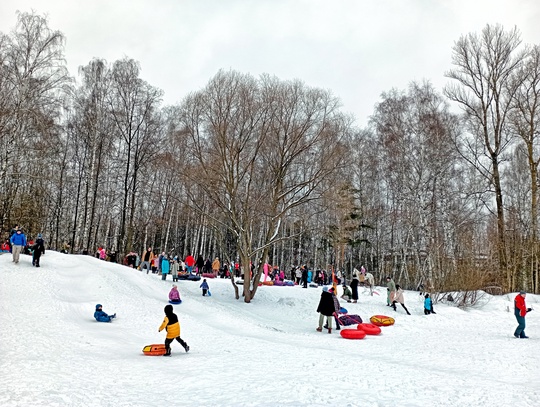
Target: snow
x,y
267,353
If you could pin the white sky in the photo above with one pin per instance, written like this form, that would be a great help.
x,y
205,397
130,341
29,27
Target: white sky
x,y
263,354
355,48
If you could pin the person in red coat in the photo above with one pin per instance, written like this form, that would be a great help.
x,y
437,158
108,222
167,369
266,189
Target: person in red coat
x,y
520,310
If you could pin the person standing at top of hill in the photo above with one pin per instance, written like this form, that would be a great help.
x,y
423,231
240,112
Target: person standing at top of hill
x,y
38,250
190,262
520,310
215,266
18,243
391,291
354,284
200,264
147,258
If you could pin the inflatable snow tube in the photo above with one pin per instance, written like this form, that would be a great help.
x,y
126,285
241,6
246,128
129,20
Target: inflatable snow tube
x,y
352,334
194,278
268,283
343,310
288,283
175,302
208,275
154,350
369,329
382,320
280,283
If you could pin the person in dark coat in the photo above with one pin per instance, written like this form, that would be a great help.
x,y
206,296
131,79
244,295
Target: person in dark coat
x,y
326,309
39,249
304,276
200,264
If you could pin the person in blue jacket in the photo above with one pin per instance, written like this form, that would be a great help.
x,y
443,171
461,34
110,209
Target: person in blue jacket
x,y
102,316
165,267
204,287
428,305
18,243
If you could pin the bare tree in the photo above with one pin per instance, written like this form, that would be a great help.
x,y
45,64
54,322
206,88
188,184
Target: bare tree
x,y
260,149
484,66
525,123
32,88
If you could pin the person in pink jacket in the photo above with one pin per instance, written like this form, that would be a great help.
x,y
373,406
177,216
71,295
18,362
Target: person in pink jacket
x,y
174,295
520,310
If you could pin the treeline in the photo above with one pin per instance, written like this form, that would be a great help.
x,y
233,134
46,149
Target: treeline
x,y
266,170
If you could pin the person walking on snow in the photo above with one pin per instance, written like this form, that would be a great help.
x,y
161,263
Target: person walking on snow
x,y
39,249
520,310
172,326
18,243
204,286
399,298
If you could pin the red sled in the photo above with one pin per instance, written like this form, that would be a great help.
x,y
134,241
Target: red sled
x,y
154,350
369,329
352,334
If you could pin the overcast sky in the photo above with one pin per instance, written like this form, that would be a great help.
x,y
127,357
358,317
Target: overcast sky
x,y
355,48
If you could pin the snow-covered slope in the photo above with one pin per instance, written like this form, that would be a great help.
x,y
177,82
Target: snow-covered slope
x,y
267,353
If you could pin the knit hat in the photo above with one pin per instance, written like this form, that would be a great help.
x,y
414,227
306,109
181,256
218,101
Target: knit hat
x,y
98,306
523,292
325,289
39,236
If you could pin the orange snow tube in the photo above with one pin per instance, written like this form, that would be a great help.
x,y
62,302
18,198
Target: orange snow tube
x,y
352,333
382,320
154,350
369,329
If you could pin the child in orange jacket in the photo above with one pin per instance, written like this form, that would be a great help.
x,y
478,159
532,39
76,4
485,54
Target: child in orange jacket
x,y
171,324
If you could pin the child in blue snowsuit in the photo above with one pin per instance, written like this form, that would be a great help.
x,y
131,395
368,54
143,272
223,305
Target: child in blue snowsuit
x,y
204,287
428,305
101,316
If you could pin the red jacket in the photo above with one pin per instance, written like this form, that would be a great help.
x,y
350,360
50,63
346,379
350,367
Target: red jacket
x,y
519,302
190,261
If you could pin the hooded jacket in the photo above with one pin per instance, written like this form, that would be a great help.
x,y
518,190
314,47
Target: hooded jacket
x,y
170,323
100,315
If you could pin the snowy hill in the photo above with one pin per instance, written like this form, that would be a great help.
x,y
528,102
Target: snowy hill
x,y
267,353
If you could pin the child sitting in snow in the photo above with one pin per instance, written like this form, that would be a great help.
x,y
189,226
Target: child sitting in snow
x,y
174,295
101,316
172,326
204,287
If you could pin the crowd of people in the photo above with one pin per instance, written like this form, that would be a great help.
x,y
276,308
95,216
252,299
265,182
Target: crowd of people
x,y
166,264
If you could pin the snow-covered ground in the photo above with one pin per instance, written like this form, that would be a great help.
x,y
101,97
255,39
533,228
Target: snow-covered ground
x,y
267,353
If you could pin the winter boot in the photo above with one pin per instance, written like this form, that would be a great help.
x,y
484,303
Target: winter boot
x,y
319,329
168,353
329,330
394,306
186,348
406,310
